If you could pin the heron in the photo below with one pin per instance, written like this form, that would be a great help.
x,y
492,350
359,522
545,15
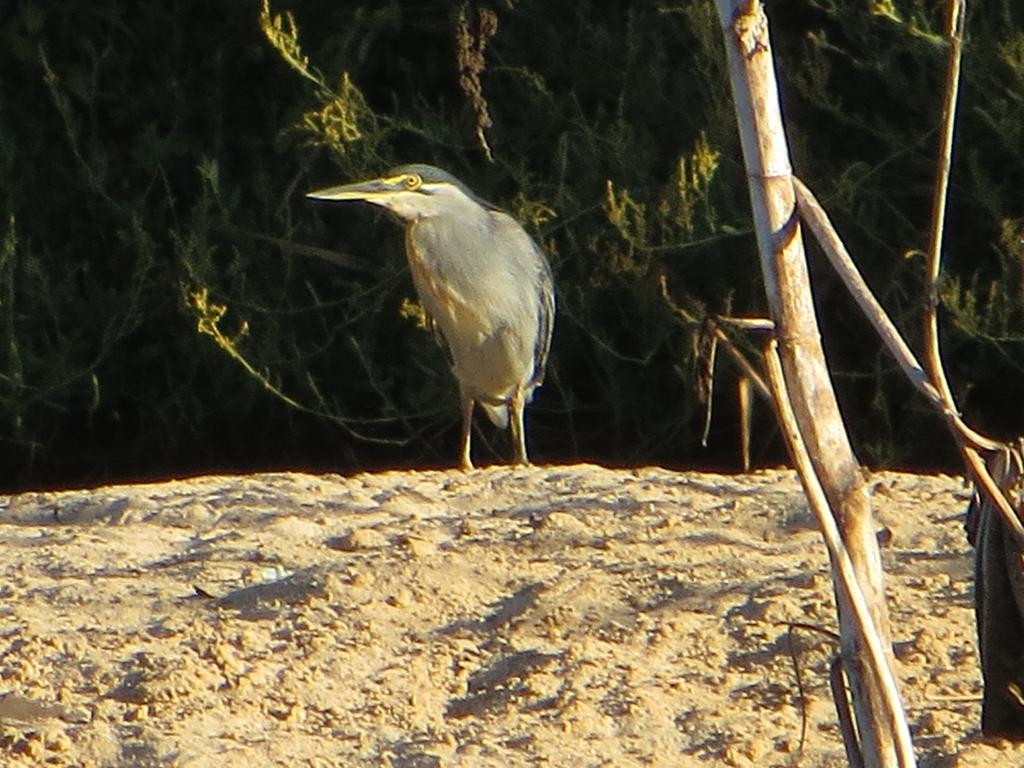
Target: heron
x,y
483,282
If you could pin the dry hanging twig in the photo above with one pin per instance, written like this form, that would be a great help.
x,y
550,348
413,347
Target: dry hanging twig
x,y
709,336
469,54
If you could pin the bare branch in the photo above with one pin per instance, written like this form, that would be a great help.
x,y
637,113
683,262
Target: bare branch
x,y
292,248
837,683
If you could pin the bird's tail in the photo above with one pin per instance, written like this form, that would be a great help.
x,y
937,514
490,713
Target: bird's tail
x,y
498,414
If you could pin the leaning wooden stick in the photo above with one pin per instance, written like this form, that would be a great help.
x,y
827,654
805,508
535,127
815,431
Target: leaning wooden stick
x,y
849,587
818,222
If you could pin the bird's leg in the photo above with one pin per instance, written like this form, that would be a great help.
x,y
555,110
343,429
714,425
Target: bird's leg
x,y
516,406
467,430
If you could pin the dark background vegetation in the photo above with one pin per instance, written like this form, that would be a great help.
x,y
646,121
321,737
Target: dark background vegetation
x,y
154,156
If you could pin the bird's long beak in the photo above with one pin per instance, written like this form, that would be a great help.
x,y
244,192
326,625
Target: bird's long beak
x,y
370,191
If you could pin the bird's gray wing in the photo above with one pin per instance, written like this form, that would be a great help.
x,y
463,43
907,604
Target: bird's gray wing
x,y
545,319
532,265
536,269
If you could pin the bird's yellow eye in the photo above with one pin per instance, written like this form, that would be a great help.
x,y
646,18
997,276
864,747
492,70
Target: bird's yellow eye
x,y
412,181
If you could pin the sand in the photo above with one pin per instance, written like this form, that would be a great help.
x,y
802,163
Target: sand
x,y
546,616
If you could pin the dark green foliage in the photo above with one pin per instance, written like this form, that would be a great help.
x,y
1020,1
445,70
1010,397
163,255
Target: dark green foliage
x,y
159,313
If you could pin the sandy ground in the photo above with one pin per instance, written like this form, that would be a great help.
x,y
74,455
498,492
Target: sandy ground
x,y
549,616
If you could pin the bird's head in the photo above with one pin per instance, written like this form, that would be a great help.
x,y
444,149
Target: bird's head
x,y
409,191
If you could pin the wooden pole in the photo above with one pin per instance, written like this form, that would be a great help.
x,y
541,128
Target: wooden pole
x,y
784,268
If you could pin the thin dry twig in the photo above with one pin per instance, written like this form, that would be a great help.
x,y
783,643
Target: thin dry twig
x,y
837,683
791,628
292,248
957,12
705,355
955,21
